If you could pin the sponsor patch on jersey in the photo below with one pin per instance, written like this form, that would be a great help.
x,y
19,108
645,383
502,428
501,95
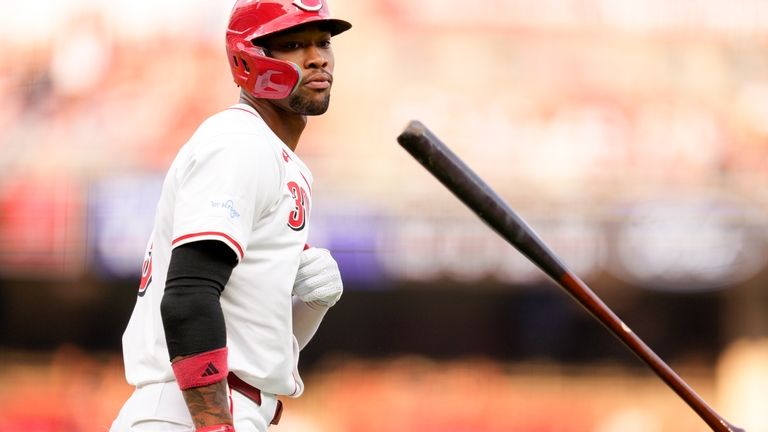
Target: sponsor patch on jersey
x,y
229,208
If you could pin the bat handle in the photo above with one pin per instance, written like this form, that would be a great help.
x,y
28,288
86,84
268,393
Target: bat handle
x,y
587,298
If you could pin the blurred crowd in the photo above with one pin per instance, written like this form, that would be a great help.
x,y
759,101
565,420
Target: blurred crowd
x,y
588,104
82,103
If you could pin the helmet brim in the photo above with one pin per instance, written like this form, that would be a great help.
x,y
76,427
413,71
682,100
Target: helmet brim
x,y
333,25
337,26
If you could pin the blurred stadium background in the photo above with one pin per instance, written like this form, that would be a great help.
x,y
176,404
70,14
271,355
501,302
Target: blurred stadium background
x,y
632,135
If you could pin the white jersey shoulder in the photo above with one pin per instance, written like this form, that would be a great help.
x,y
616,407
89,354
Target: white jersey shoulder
x,y
236,182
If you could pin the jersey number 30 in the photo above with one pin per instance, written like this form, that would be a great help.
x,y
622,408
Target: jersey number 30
x,y
297,219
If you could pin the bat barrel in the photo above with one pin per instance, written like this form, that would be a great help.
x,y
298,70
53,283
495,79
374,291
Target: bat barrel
x,y
470,189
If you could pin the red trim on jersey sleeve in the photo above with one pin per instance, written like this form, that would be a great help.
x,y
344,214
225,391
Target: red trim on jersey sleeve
x,y
211,233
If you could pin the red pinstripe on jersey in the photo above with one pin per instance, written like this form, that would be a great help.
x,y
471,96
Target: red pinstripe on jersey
x,y
211,233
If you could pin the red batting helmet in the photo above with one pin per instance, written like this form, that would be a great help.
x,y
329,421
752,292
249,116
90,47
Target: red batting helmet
x,y
257,74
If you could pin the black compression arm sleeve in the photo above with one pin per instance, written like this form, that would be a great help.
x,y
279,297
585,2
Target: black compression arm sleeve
x,y
190,309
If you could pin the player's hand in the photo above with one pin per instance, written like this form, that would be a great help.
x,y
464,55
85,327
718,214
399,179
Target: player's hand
x,y
318,281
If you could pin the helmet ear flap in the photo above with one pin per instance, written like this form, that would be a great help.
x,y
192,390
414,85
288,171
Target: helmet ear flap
x,y
264,77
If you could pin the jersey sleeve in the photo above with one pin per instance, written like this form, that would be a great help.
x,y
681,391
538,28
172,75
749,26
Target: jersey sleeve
x,y
226,184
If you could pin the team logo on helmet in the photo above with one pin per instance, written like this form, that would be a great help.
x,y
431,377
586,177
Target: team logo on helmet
x,y
313,6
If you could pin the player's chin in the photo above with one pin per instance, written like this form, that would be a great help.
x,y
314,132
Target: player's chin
x,y
310,105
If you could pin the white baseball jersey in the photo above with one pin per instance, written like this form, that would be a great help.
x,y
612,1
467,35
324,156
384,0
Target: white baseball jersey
x,y
233,181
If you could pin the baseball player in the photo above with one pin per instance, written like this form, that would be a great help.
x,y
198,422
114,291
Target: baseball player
x,y
230,291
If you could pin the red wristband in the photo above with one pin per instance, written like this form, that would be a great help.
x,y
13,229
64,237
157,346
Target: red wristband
x,y
217,428
201,369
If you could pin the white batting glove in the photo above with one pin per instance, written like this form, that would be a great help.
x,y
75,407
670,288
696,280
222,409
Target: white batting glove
x,y
318,281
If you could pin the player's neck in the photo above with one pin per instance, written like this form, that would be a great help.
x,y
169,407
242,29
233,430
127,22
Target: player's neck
x,y
287,125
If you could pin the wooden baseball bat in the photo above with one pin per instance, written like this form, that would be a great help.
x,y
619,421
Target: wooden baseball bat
x,y
438,159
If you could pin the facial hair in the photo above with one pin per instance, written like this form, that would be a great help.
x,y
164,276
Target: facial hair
x,y
309,106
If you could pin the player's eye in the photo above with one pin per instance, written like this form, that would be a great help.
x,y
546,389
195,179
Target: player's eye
x,y
326,43
290,46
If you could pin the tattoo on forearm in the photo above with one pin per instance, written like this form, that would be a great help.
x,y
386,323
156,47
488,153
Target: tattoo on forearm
x,y
208,405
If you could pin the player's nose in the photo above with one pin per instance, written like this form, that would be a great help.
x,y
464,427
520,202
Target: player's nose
x,y
316,58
